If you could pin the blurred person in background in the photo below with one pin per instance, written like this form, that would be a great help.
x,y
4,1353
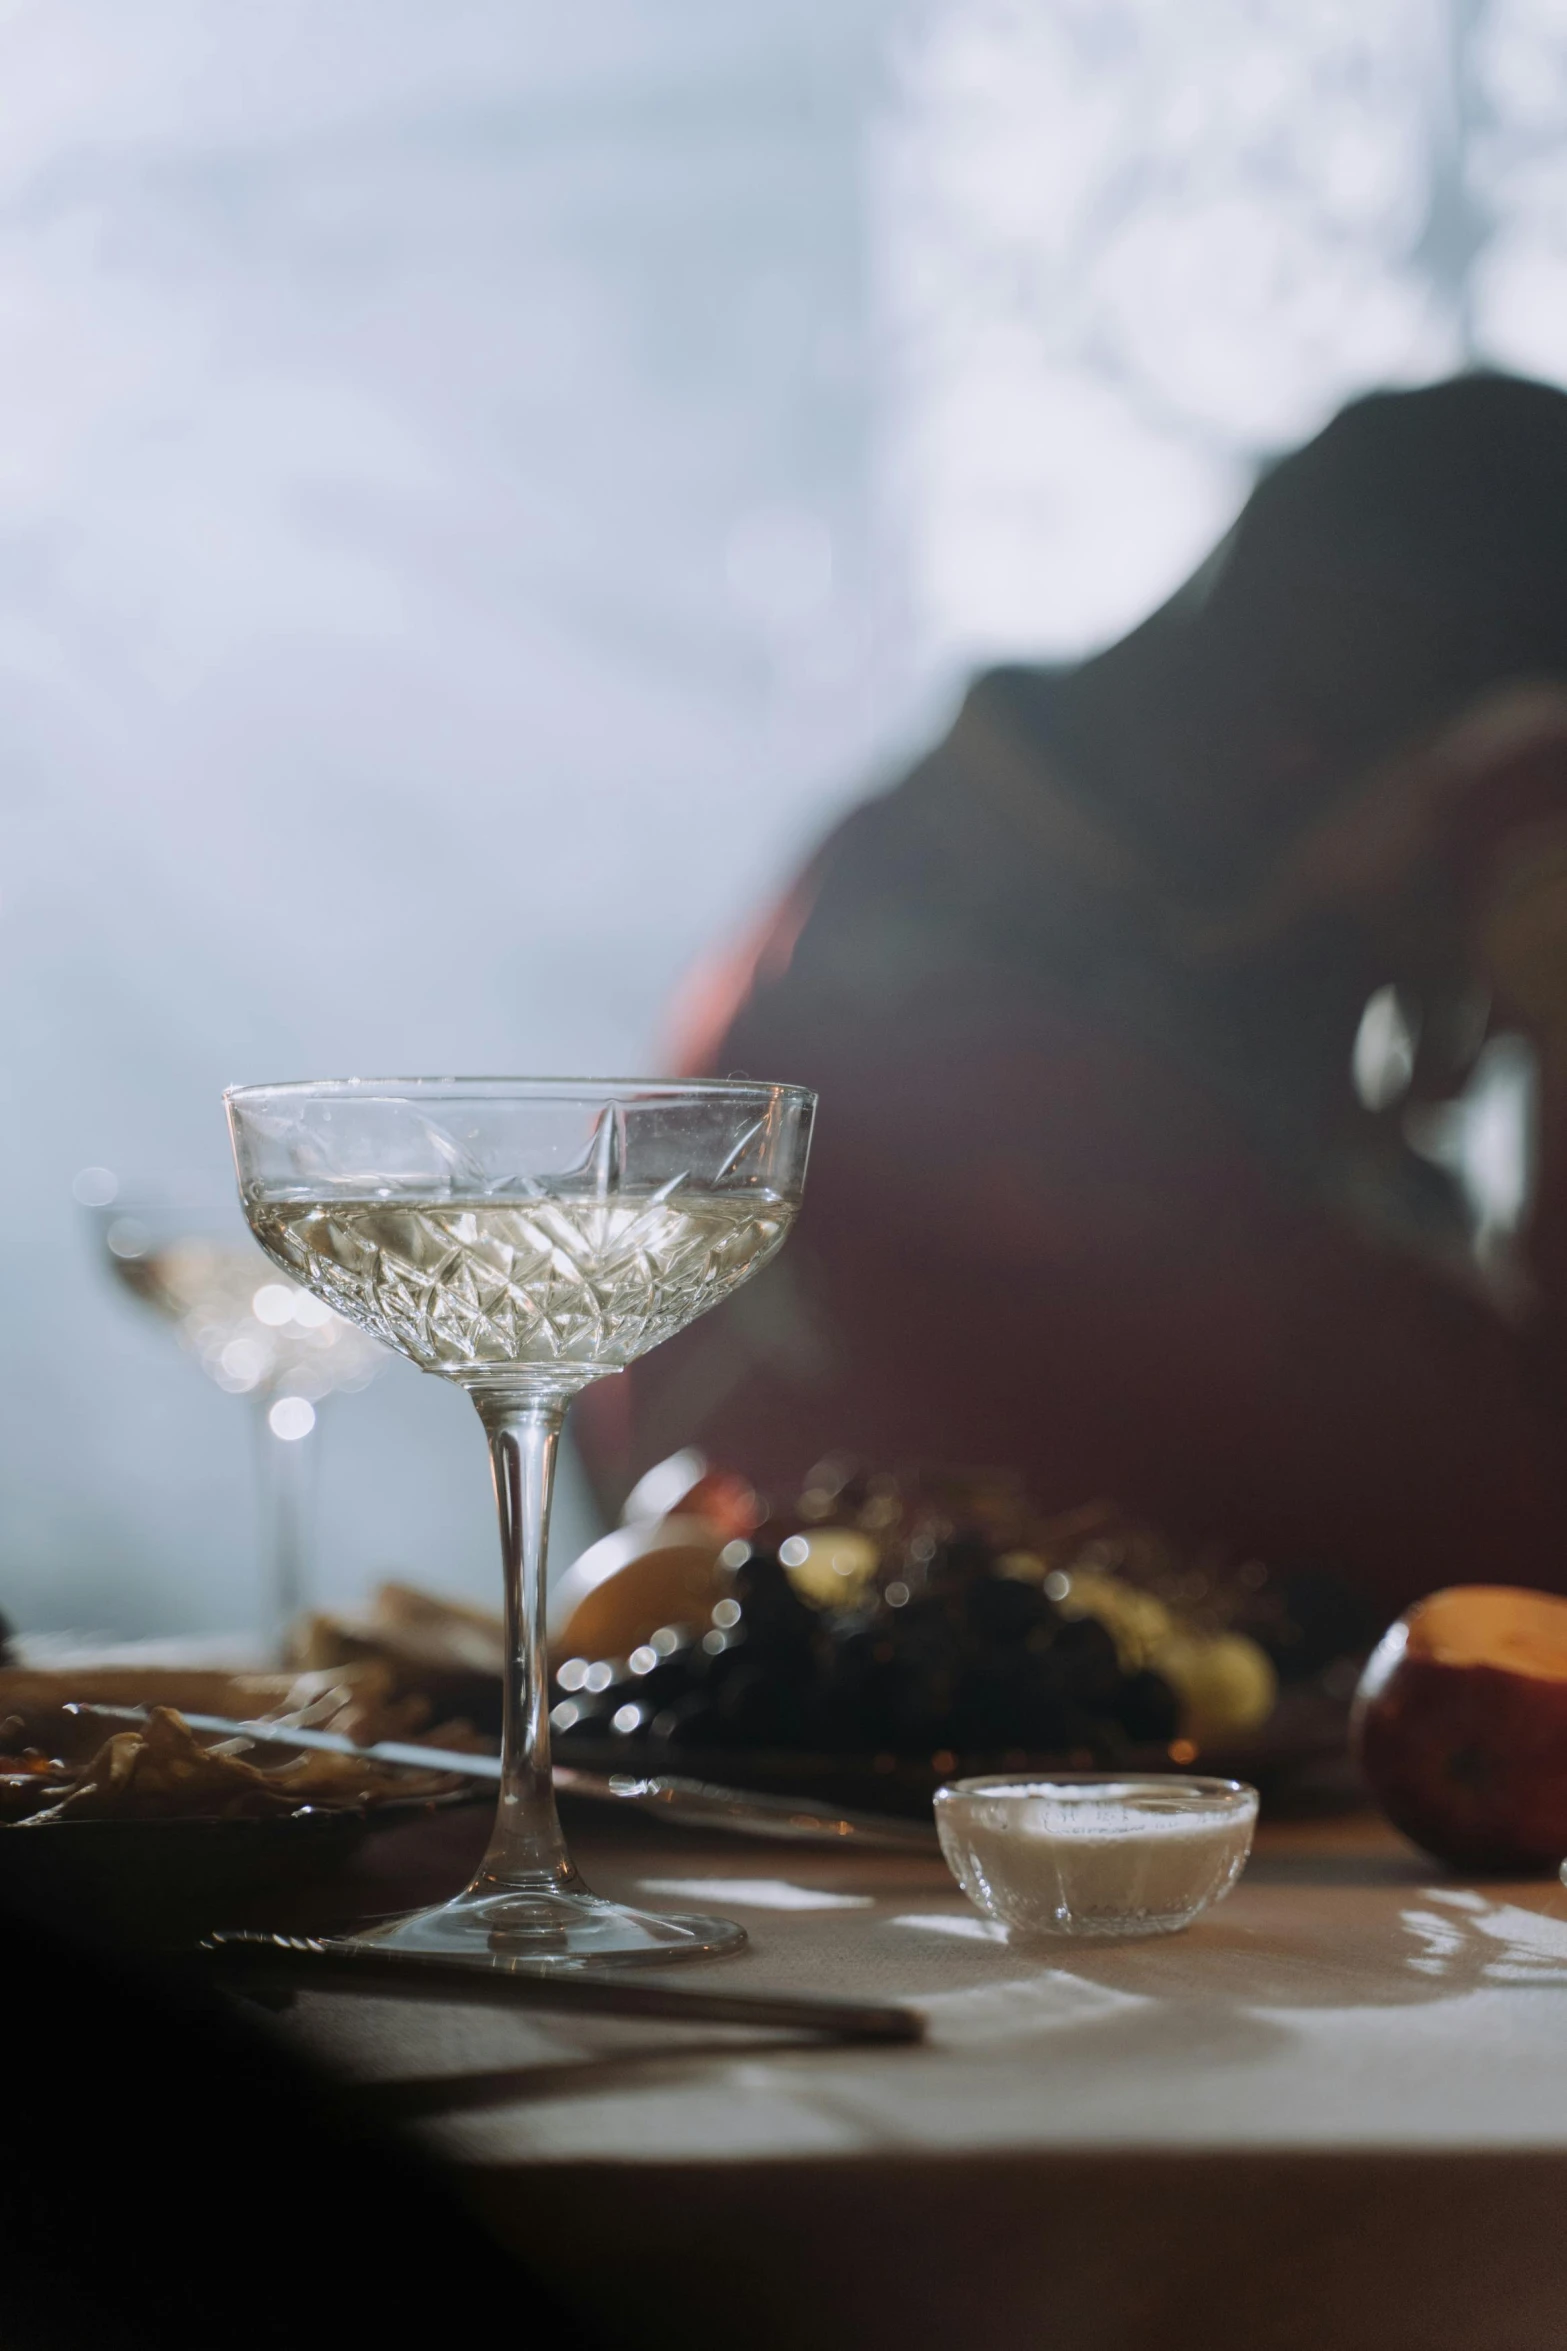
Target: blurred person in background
x,y
1191,1032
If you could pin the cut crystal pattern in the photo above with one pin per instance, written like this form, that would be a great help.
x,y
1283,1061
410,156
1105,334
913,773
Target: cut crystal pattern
x,y
466,1285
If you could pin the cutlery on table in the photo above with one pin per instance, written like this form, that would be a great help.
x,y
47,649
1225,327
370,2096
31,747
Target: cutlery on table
x,y
689,1803
307,1963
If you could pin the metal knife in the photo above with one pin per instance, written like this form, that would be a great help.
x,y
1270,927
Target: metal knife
x,y
692,1804
311,1963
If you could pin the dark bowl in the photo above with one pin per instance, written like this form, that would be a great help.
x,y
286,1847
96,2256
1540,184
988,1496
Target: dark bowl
x,y
162,1883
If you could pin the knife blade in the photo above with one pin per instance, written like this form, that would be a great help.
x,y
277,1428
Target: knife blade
x,y
689,1803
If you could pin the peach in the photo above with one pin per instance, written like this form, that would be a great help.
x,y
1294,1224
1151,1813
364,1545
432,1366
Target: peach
x,y
1460,1724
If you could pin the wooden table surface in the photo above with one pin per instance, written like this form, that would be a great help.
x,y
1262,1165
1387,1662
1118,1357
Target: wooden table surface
x,y
1333,2113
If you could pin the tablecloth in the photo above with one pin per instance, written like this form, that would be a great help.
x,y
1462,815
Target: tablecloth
x,y
1334,2112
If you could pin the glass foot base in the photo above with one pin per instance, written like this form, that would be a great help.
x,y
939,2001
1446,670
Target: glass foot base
x,y
545,1931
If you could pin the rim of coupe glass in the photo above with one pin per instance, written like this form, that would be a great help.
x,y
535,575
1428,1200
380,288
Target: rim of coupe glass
x,y
1192,1788
540,1089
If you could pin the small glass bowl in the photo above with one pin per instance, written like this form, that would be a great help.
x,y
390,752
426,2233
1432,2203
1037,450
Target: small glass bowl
x,y
1090,1853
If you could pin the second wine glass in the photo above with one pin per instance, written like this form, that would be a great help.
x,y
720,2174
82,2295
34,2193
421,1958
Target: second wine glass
x,y
181,1249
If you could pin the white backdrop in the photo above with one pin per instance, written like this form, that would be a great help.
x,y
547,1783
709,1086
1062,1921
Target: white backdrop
x,y
435,597
1125,250
481,485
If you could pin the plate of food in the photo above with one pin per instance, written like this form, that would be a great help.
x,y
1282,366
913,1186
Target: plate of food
x,y
150,1831
877,1634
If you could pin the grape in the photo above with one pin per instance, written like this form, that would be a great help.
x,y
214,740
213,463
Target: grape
x,y
947,1654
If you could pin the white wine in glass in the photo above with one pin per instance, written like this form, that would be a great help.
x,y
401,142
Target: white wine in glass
x,y
524,1236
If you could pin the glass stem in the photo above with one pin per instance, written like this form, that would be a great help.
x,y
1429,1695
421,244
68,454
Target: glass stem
x,y
287,1473
527,1850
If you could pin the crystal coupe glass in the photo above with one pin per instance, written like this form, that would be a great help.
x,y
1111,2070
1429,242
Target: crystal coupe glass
x,y
524,1236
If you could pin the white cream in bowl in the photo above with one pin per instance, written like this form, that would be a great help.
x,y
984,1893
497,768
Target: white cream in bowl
x,y
1093,1853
